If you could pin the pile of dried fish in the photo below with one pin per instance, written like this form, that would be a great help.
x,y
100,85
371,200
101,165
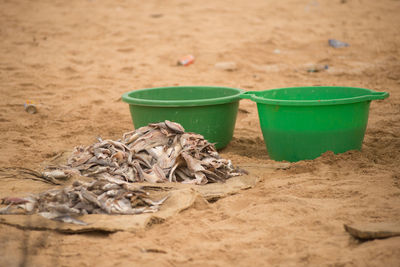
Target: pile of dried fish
x,y
155,153
159,152
97,197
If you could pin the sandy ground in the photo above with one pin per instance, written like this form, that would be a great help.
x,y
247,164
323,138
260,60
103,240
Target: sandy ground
x,y
76,58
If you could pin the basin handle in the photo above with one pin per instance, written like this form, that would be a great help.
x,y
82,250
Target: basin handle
x,y
247,95
378,95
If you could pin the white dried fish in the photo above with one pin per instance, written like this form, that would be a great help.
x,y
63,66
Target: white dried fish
x,y
62,208
171,176
79,156
111,186
130,175
158,171
119,156
150,177
56,174
5,210
155,203
193,164
176,127
84,207
99,169
90,197
200,178
156,152
111,179
132,138
182,175
62,218
144,159
69,219
112,193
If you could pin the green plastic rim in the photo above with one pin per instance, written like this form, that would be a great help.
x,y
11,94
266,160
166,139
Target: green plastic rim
x,y
276,97
182,96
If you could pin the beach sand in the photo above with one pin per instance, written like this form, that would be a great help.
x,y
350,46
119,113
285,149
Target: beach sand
x,y
75,59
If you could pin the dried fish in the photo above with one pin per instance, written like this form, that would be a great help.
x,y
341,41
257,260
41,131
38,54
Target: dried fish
x,y
145,159
69,219
13,200
182,175
5,210
150,177
200,178
193,164
81,198
62,218
176,127
158,171
132,138
62,208
90,197
119,156
57,174
79,156
155,203
149,140
111,186
159,152
172,176
112,179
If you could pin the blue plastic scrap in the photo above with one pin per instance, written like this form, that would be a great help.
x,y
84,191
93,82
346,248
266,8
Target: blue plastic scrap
x,y
337,44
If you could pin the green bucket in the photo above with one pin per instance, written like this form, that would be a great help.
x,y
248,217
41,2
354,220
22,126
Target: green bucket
x,y
208,110
303,122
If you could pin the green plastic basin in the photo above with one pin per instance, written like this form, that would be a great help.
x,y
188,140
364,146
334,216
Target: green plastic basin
x,y
208,110
303,122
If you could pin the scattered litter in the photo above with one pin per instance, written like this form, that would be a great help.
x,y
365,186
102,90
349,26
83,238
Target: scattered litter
x,y
316,67
337,44
30,107
227,66
312,6
186,60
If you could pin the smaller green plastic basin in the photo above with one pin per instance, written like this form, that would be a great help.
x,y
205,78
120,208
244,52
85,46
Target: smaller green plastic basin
x,y
303,122
208,110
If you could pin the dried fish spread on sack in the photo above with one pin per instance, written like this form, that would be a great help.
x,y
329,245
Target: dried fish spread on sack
x,y
159,152
96,197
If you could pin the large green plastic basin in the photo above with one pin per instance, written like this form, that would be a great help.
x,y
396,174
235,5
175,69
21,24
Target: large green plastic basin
x,y
208,110
304,122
